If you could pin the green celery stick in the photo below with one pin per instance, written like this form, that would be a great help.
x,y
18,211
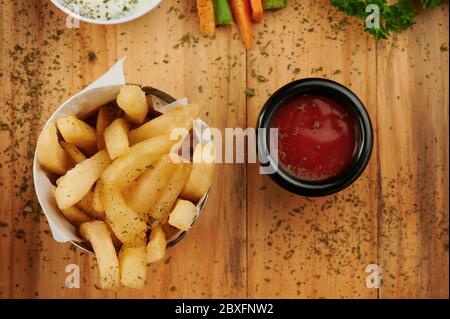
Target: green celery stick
x,y
274,4
223,12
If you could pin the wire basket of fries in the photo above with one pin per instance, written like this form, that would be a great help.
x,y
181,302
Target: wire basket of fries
x,y
114,179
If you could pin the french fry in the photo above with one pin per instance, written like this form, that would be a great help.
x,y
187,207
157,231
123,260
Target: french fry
x,y
257,10
127,226
97,234
160,211
132,101
104,117
205,9
142,195
177,118
189,115
75,216
126,168
78,133
133,266
74,153
242,13
158,126
50,154
183,214
86,204
96,202
116,242
202,173
116,138
156,247
78,181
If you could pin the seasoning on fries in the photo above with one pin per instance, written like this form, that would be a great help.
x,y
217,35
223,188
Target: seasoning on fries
x,y
120,185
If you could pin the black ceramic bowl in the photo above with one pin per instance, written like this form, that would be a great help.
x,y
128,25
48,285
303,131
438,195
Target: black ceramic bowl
x,y
363,130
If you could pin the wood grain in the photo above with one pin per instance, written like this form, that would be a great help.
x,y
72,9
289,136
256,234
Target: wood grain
x,y
302,247
254,239
412,95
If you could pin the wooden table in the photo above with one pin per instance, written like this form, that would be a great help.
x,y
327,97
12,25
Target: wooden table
x,y
254,239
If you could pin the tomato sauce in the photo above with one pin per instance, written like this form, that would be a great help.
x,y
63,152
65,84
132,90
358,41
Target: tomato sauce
x,y
316,137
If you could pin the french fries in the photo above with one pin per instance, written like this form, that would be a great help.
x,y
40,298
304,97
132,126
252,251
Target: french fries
x,y
73,152
50,154
180,117
156,247
75,216
97,234
87,205
78,133
118,186
104,118
116,138
202,173
116,242
133,102
185,121
97,205
160,211
126,168
158,126
206,16
183,215
133,266
127,226
144,193
78,181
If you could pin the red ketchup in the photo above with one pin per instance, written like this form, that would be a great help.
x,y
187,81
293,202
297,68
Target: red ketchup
x,y
316,137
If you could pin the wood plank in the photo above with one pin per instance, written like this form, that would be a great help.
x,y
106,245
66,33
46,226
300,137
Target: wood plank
x,y
179,61
43,73
5,166
254,239
413,152
64,67
298,246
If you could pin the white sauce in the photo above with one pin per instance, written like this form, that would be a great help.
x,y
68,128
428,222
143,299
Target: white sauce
x,y
104,9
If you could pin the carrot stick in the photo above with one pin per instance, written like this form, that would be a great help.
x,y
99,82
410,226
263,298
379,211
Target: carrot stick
x,y
242,12
205,9
257,10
